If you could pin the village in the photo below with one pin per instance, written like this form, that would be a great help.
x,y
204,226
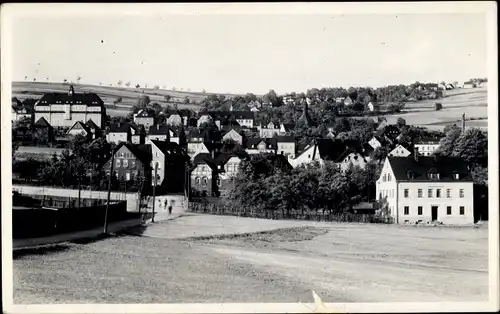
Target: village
x,y
194,158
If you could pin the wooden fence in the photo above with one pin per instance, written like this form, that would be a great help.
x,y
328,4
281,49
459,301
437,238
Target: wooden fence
x,y
228,210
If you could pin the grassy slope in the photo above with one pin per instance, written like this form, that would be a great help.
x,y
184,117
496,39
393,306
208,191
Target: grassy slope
x,y
345,264
23,90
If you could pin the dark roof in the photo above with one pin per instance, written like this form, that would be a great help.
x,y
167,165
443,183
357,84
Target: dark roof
x,y
119,128
194,133
257,140
220,115
159,129
91,124
227,128
42,123
90,99
445,166
222,158
204,158
287,139
336,149
141,152
16,101
145,113
427,140
83,125
168,147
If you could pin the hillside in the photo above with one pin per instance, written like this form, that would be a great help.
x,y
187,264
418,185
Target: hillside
x,y
109,94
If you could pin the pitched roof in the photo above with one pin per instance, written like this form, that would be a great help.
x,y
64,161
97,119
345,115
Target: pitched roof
x,y
82,125
168,148
445,166
91,124
119,127
159,129
89,99
205,158
141,152
285,139
336,149
145,113
250,142
194,133
42,123
222,158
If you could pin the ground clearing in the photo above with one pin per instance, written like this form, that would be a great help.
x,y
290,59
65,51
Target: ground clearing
x,y
341,262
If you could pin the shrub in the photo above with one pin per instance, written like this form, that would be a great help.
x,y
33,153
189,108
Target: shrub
x,y
438,106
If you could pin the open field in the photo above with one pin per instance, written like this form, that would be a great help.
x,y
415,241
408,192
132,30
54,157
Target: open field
x,y
472,102
109,94
282,263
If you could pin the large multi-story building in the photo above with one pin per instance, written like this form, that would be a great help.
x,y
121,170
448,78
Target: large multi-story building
x,y
426,147
64,109
418,189
171,162
132,162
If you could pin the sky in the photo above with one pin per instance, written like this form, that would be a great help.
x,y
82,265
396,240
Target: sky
x,y
252,53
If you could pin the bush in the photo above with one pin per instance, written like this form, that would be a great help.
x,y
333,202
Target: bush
x,y
438,106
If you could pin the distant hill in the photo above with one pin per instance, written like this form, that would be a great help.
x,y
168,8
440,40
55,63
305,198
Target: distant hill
x,y
109,94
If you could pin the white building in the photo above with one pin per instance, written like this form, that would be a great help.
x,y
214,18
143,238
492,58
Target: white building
x,y
145,117
427,147
399,151
418,189
63,110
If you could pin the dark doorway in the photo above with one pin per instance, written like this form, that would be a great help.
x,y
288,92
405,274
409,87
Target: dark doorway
x,y
434,213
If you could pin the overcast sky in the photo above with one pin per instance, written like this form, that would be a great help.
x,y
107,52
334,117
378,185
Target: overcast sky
x,y
252,53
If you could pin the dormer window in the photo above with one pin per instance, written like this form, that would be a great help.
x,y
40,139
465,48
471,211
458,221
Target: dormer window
x,y
433,173
410,174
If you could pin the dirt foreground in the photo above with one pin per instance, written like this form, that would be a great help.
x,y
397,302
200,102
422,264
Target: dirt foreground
x,y
214,259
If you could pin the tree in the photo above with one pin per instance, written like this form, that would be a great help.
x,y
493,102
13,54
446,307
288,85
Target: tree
x,y
472,146
127,84
143,101
118,100
157,87
120,82
186,100
401,122
137,86
157,108
438,106
167,98
78,78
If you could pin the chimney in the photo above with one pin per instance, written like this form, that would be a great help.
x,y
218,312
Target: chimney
x,y
463,122
415,154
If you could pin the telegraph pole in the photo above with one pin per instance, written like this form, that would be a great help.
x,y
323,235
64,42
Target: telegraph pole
x,y
109,192
154,192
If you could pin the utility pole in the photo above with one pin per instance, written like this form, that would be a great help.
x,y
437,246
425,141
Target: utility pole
x,y
154,192
109,192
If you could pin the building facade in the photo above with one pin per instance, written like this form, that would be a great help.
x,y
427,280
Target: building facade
x,y
427,147
425,190
63,110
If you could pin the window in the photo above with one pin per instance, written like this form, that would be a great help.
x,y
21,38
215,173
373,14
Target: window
x,y
461,193
218,182
407,210
205,181
419,193
384,178
462,210
388,176
448,210
438,193
197,180
429,193
127,176
448,193
406,193
117,163
419,210
125,163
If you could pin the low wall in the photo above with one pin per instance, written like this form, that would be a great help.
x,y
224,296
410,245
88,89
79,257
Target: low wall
x,y
131,198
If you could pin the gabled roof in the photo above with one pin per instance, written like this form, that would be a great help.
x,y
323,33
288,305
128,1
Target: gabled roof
x,y
205,158
89,99
256,141
336,150
222,158
81,125
168,148
92,125
42,123
159,129
285,139
226,129
427,141
445,166
145,113
141,152
194,133
119,128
